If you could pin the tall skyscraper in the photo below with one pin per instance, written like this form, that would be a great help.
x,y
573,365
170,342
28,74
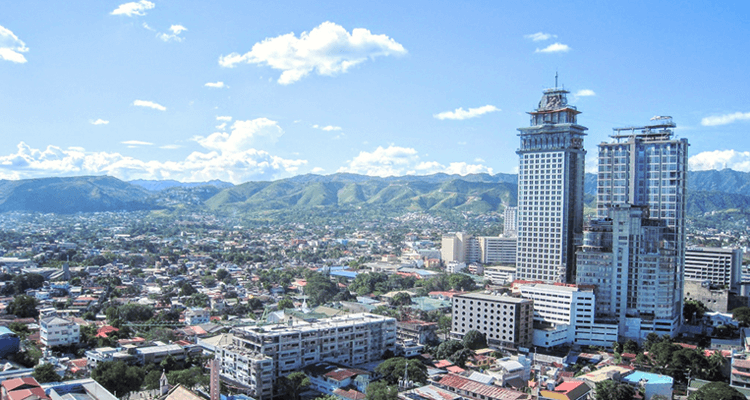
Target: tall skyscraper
x,y
510,222
641,185
550,190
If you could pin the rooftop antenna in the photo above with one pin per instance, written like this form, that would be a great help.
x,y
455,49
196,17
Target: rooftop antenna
x,y
555,79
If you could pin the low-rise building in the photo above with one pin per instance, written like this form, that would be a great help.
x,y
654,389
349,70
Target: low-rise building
x,y
506,321
56,331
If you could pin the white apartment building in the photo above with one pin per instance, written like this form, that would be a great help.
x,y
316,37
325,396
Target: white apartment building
x,y
564,314
197,316
723,267
56,331
497,250
259,355
510,222
506,321
500,275
550,190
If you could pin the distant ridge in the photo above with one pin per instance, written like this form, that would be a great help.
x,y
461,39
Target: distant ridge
x,y
155,185
708,191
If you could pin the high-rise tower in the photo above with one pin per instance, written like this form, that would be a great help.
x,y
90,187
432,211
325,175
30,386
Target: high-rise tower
x,y
647,166
550,190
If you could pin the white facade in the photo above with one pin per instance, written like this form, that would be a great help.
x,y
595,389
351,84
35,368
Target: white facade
x,y
56,331
497,250
197,316
510,222
259,355
723,267
569,309
506,321
500,275
550,190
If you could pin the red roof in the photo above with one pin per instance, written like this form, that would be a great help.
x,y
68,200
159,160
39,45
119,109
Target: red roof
x,y
742,364
455,369
340,374
19,383
568,386
443,364
477,389
349,394
26,393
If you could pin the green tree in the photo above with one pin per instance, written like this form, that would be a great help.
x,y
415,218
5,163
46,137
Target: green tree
x,y
221,274
475,340
631,346
294,383
22,330
187,289
400,299
461,282
460,357
392,370
320,289
742,314
693,311
611,390
189,378
117,377
198,300
716,390
285,303
45,373
447,349
23,306
382,391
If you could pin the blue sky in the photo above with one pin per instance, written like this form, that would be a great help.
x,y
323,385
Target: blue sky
x,y
241,91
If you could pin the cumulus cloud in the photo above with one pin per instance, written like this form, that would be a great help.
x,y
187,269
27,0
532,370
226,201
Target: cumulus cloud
x,y
174,36
585,93
11,47
540,36
98,122
149,104
327,128
554,48
720,159
134,8
725,119
222,126
242,136
460,113
217,85
318,170
235,166
327,49
137,143
395,161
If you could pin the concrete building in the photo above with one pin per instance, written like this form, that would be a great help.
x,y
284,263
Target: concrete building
x,y
506,321
647,166
500,275
633,262
259,355
56,331
421,332
453,248
197,316
497,250
564,314
550,190
510,222
723,267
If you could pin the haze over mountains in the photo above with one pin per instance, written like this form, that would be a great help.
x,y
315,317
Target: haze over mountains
x,y
708,191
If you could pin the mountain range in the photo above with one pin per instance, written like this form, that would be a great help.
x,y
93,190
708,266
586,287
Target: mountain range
x,y
707,191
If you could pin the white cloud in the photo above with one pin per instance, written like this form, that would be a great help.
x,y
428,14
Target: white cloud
x,y
554,48
145,25
216,85
133,8
174,36
222,126
720,159
137,143
317,170
460,113
327,128
539,36
395,161
236,167
479,160
170,146
327,49
98,122
149,104
725,119
585,93
243,135
223,118
11,47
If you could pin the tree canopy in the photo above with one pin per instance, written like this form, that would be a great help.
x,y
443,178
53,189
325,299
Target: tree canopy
x,y
23,306
294,383
611,390
392,370
382,391
44,373
716,390
118,377
475,340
